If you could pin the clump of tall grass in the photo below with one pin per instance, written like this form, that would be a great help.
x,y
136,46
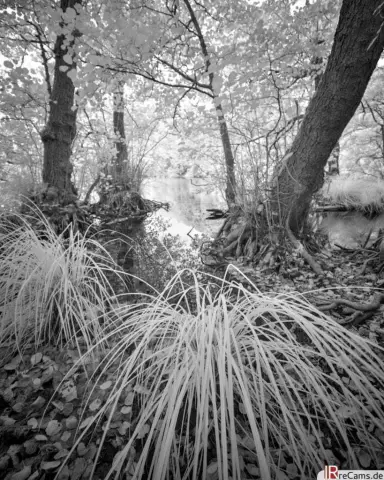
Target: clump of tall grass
x,y
53,288
233,385
359,193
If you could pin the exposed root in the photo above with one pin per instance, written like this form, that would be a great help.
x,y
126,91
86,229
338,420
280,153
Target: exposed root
x,y
362,307
299,247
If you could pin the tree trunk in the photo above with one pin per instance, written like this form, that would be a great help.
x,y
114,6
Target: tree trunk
x,y
230,190
60,130
119,168
357,47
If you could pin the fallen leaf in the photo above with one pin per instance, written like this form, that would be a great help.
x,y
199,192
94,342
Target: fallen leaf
x,y
78,468
64,473
105,385
7,421
23,474
123,428
53,428
143,431
364,458
35,359
81,449
86,422
71,422
33,423
50,465
212,468
95,405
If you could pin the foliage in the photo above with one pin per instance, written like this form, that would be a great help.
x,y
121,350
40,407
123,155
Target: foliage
x,y
236,383
159,255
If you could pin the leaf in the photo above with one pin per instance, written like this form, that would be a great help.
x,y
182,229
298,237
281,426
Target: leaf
x,y
142,390
33,423
63,68
68,59
70,13
129,399
50,465
36,358
8,64
143,431
123,428
105,385
69,391
346,412
61,454
281,475
53,428
78,468
23,474
95,405
252,469
85,423
72,74
71,422
365,459
7,421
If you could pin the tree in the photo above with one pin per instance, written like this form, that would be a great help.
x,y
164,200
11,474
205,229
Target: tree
x,y
358,44
60,129
172,50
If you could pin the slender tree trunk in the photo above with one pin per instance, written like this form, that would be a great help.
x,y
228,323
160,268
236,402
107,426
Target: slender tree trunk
x,y
119,168
60,130
230,190
357,47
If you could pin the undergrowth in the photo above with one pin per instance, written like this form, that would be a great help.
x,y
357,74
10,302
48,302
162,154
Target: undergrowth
x,y
213,382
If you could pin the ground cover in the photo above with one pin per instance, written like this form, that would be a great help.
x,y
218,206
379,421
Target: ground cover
x,y
268,375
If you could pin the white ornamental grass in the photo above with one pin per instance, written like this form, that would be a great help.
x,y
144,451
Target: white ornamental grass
x,y
52,289
230,384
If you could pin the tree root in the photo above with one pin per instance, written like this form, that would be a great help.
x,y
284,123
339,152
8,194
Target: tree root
x,y
377,299
302,251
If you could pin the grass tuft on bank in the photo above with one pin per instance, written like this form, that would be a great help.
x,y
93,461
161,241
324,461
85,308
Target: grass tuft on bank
x,y
53,288
224,383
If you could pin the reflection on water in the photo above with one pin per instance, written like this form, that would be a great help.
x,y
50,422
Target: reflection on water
x,y
188,203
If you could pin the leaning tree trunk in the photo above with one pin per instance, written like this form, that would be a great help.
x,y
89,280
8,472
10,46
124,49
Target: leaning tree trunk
x,y
357,47
60,130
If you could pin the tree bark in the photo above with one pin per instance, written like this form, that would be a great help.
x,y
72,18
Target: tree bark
x,y
357,47
230,190
60,130
119,168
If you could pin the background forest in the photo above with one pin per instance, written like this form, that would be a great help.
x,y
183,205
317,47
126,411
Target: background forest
x,y
127,354
265,61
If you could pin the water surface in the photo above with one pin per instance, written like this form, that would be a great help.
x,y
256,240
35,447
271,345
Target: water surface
x,y
188,198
